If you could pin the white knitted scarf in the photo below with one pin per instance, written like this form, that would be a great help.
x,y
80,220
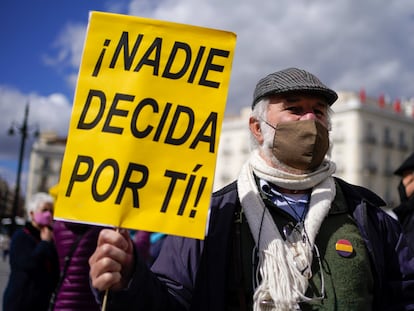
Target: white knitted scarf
x,y
281,281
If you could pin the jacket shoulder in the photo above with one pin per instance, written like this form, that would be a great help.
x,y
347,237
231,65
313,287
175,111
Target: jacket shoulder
x,y
225,198
232,187
357,193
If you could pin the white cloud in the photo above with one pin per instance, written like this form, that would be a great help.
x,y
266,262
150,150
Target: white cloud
x,y
51,113
69,48
46,113
348,44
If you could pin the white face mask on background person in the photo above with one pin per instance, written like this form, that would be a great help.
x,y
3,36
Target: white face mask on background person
x,y
299,144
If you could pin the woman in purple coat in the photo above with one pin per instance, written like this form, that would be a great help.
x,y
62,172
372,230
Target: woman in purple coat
x,y
75,243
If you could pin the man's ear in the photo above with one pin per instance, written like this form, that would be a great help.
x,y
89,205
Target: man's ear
x,y
254,125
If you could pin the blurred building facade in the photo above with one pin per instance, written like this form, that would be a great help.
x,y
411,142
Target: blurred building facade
x,y
7,196
370,138
6,199
45,163
234,148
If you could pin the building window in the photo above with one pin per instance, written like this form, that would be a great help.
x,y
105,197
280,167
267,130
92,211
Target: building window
x,y
387,138
46,164
402,144
369,166
388,170
338,133
369,137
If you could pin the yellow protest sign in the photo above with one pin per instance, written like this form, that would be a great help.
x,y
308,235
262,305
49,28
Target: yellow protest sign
x,y
145,125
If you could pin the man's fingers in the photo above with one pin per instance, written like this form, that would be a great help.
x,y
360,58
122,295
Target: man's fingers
x,y
113,237
107,260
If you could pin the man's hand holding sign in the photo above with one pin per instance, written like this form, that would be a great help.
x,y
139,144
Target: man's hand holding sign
x,y
145,125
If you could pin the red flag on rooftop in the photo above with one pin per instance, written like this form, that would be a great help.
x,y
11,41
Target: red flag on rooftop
x,y
397,105
381,101
362,96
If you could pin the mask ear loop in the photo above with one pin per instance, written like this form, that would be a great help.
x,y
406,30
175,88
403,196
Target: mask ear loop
x,y
273,127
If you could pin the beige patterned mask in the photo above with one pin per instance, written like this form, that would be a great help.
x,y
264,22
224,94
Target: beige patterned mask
x,y
301,144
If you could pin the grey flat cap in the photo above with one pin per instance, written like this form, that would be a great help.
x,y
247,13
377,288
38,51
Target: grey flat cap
x,y
292,79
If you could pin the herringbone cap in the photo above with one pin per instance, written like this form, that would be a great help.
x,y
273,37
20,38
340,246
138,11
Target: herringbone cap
x,y
292,79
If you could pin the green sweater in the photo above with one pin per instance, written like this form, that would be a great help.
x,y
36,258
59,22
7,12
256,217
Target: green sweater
x,y
348,280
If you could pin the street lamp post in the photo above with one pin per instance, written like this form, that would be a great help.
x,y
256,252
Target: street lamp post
x,y
23,129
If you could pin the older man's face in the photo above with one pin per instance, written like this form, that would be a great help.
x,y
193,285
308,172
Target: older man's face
x,y
297,106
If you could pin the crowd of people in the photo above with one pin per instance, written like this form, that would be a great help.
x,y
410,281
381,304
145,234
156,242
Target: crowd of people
x,y
285,235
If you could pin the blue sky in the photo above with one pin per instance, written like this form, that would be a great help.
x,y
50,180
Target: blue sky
x,y
39,67
349,44
30,34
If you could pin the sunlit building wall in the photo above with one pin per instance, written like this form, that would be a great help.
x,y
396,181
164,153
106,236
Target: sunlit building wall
x,y
45,163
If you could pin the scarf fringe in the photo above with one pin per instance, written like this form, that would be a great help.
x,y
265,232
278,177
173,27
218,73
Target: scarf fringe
x,y
281,281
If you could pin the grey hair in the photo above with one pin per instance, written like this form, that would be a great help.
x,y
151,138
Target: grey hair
x,y
259,113
36,200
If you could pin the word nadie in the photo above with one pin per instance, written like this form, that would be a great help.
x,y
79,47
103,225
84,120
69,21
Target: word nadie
x,y
185,61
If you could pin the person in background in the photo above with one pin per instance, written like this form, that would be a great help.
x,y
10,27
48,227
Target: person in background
x,y
156,240
141,240
34,267
75,243
405,211
286,235
148,244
